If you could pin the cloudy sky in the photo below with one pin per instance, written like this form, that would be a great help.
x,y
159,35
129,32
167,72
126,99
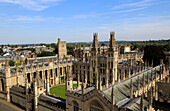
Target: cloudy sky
x,y
43,21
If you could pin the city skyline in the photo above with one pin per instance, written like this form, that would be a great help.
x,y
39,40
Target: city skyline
x,y
43,21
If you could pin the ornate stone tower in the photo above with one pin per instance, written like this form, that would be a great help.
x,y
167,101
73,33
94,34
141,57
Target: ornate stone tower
x,y
62,48
94,61
112,55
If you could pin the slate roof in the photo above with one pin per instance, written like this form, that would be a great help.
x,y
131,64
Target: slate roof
x,y
122,89
88,89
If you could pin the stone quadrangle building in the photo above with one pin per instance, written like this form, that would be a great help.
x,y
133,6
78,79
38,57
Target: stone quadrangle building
x,y
106,80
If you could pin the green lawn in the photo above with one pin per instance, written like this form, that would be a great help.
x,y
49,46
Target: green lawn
x,y
59,90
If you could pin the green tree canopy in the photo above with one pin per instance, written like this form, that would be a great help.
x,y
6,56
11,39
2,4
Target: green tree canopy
x,y
1,51
154,53
11,62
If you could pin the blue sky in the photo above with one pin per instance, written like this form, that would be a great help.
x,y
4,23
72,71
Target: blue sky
x,y
43,21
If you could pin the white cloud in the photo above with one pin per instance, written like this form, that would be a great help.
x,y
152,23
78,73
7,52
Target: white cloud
x,y
135,4
124,11
27,19
36,5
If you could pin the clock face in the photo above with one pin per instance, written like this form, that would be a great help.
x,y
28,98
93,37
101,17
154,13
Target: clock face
x,y
63,46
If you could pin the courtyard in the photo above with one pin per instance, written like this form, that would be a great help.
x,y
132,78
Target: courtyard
x,y
59,90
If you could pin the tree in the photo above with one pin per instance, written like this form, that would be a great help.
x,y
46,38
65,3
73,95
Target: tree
x,y
11,62
1,51
18,63
154,53
56,50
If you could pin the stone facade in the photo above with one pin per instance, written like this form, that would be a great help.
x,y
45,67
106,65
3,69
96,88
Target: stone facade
x,y
105,81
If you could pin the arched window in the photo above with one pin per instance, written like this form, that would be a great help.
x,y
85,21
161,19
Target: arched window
x,y
75,106
96,106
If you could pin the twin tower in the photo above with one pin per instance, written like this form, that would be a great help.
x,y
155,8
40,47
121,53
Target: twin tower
x,y
112,43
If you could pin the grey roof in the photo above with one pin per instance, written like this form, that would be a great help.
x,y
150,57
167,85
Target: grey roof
x,y
55,99
134,104
86,90
122,89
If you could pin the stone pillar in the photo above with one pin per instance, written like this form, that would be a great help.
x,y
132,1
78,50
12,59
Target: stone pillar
x,y
133,69
118,75
100,82
160,74
37,70
96,72
156,74
90,71
156,91
113,79
143,83
142,103
78,80
35,96
151,99
152,63
85,80
64,73
145,67
58,74
48,87
113,98
17,79
148,65
152,77
107,73
26,94
129,71
83,53
43,71
131,89
7,80
138,85
123,72
31,73
139,67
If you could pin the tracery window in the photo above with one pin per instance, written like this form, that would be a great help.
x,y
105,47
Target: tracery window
x,y
75,106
